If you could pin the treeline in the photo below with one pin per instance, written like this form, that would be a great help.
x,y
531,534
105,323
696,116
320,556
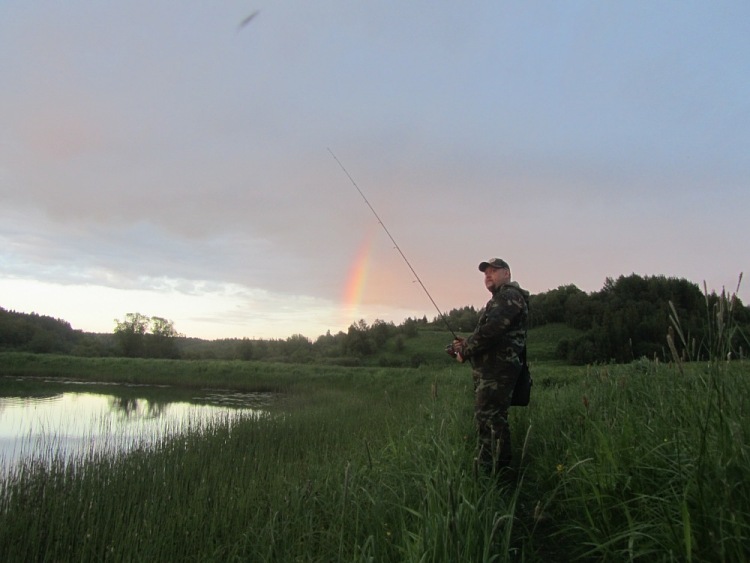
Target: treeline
x,y
381,343
136,336
139,335
37,333
628,319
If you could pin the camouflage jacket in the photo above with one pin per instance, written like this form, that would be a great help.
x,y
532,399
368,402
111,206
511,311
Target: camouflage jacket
x,y
500,335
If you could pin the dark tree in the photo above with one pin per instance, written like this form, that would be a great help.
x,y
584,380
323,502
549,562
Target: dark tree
x,y
131,334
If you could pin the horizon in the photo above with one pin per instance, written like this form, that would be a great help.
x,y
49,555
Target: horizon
x,y
178,157
433,319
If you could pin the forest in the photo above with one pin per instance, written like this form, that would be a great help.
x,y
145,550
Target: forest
x,y
628,319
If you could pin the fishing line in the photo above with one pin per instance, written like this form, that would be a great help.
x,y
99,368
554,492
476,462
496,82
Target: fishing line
x,y
395,244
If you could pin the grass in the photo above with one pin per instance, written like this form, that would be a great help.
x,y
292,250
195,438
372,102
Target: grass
x,y
646,468
543,341
624,463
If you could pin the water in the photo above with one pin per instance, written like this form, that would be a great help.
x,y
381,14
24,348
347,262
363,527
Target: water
x,y
47,419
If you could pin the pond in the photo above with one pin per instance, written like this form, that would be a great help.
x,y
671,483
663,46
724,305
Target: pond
x,y
47,419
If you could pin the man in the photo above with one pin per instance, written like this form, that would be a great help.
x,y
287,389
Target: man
x,y
496,350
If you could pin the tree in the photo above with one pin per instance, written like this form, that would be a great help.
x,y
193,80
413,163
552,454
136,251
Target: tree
x,y
131,334
358,342
380,332
461,320
329,345
163,327
298,348
245,349
409,328
556,305
36,333
162,342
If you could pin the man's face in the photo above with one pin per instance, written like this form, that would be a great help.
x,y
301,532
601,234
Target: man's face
x,y
495,277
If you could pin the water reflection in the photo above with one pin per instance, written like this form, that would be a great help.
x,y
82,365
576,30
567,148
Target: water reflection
x,y
52,419
130,407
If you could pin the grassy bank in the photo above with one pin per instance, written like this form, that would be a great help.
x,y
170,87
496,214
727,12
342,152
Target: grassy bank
x,y
615,463
237,375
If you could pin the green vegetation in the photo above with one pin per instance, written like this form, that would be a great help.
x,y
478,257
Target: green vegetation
x,y
376,464
646,460
544,341
135,341
629,318
625,321
423,348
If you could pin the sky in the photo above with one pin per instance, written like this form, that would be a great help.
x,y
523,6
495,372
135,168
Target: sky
x,y
162,157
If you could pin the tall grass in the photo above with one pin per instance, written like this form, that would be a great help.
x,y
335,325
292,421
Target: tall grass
x,y
653,459
377,468
632,466
638,462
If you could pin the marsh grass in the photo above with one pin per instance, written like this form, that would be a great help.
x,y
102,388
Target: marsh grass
x,y
638,462
653,461
643,471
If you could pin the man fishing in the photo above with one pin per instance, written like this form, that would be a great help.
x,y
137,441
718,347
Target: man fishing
x,y
496,350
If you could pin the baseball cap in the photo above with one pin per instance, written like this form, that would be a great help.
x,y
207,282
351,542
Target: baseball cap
x,y
495,263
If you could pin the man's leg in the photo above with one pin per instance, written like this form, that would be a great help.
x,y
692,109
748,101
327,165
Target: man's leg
x,y
491,415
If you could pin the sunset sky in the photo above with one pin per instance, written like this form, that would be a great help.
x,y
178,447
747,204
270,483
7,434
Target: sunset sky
x,y
159,157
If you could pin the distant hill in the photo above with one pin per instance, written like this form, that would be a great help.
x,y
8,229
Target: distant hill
x,y
41,334
627,320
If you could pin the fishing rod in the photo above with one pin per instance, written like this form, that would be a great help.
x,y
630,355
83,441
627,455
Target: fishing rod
x,y
395,244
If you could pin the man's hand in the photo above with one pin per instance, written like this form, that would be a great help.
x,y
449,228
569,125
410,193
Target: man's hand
x,y
455,349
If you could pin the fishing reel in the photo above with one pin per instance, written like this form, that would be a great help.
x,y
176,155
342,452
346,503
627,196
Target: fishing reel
x,y
455,349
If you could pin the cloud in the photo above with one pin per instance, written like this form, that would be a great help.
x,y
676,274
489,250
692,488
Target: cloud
x,y
152,148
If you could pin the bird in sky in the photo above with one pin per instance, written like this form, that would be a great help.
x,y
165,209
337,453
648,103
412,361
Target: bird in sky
x,y
247,20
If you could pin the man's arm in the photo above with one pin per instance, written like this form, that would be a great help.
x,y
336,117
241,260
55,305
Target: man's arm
x,y
501,311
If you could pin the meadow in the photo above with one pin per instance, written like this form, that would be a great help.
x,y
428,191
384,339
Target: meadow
x,y
613,463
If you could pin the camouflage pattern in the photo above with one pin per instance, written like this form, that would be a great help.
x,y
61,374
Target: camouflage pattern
x,y
492,400
494,350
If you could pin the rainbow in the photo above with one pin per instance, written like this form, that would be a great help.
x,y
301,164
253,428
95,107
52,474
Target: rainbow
x,y
357,277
